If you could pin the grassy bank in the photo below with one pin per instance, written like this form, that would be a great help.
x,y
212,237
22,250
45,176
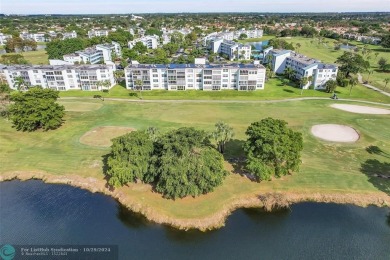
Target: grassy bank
x,y
327,168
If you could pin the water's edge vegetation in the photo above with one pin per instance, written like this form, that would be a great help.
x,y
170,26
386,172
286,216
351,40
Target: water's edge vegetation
x,y
269,201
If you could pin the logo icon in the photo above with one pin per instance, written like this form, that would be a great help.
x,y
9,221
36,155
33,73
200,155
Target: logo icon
x,y
7,252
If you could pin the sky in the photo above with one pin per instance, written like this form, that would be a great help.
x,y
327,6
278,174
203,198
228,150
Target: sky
x,y
173,6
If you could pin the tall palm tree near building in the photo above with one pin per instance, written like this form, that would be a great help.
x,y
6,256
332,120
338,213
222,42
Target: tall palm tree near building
x,y
303,81
138,84
386,80
352,82
20,84
298,46
118,74
289,73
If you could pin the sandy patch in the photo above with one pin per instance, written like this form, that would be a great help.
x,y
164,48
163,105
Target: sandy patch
x,y
101,136
335,133
361,109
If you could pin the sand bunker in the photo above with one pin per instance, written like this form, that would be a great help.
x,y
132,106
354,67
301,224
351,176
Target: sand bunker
x,y
361,109
101,136
335,133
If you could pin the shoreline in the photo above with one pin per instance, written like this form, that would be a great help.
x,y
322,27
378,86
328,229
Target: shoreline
x,y
267,201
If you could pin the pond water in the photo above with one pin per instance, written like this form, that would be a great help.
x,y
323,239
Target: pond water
x,y
259,45
36,213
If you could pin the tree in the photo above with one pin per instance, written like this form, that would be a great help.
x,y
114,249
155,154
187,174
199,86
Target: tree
x,y
222,134
187,164
243,36
272,149
298,46
352,63
330,86
140,47
56,49
20,84
382,63
369,71
289,73
303,81
386,80
35,109
13,59
352,82
179,163
118,74
4,99
129,159
385,42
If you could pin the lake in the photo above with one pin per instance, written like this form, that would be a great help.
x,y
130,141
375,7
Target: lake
x,y
33,212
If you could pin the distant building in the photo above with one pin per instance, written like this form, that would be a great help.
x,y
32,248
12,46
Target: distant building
x,y
151,42
38,37
4,38
97,33
302,66
250,33
195,76
101,53
69,35
60,77
232,49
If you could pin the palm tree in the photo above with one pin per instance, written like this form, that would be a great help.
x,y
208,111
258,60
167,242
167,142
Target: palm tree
x,y
138,85
20,84
352,82
303,81
386,80
118,74
289,73
376,55
297,46
222,134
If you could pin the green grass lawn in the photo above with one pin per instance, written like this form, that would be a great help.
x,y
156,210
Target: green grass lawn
x,y
264,38
273,90
36,57
327,167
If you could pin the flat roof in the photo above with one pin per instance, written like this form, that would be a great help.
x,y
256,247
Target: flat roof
x,y
196,66
55,67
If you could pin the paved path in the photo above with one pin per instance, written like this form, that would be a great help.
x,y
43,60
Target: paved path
x,y
360,79
227,101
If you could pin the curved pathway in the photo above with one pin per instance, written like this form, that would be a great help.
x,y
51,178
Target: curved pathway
x,y
360,79
225,101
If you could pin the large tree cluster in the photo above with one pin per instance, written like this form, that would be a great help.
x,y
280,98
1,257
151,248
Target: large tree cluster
x,y
179,163
36,109
272,149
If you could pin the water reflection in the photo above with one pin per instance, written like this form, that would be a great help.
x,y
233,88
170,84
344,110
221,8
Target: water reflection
x,y
132,219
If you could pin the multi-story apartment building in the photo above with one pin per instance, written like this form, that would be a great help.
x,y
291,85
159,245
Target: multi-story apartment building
x,y
250,33
4,38
151,42
302,66
69,35
38,37
195,76
62,77
94,55
232,49
97,33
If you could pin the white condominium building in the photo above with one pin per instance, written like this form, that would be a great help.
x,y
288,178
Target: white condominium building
x,y
302,66
101,53
38,37
69,35
62,77
4,38
232,49
97,33
250,33
151,42
195,76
